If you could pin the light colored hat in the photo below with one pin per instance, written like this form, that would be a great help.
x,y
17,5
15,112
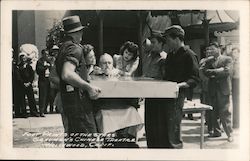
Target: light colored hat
x,y
72,24
55,47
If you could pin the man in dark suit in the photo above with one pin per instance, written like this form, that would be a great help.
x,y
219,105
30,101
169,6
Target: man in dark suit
x,y
43,71
218,71
27,78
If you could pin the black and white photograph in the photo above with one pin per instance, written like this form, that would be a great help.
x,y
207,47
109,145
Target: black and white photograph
x,y
132,81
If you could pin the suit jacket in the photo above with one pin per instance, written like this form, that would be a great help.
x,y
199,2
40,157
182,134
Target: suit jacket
x,y
41,68
219,75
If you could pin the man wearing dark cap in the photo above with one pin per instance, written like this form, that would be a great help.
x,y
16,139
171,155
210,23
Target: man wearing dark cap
x,y
181,66
218,71
76,92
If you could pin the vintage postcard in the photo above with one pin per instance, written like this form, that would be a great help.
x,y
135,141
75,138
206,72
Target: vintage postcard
x,y
124,80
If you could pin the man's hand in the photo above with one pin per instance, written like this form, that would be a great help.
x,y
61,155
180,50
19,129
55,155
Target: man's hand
x,y
94,92
183,85
27,84
163,55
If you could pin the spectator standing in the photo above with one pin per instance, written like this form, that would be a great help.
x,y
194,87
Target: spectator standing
x,y
18,101
27,78
43,70
204,88
219,89
181,66
53,89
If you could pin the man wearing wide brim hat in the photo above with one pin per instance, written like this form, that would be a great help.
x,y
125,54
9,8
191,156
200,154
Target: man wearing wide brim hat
x,y
76,92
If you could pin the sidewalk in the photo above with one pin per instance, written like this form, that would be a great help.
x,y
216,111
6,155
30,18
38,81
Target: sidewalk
x,y
36,132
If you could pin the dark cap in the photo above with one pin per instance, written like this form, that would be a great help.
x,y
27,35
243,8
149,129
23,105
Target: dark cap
x,y
174,30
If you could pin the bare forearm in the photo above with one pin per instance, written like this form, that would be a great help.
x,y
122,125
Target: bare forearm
x,y
75,80
69,76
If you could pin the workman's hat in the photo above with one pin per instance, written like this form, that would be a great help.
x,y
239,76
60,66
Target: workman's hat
x,y
72,24
174,30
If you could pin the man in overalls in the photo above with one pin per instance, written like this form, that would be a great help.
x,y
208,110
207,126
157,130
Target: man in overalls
x,y
76,92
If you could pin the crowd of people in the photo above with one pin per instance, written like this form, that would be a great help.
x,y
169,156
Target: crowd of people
x,y
65,75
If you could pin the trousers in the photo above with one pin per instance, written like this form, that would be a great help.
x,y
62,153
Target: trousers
x,y
163,122
221,113
44,93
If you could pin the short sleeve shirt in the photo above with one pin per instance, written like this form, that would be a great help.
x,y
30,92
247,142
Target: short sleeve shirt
x,y
72,52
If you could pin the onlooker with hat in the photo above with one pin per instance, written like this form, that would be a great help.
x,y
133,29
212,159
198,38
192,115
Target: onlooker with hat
x,y
154,107
27,78
76,92
219,89
43,70
181,66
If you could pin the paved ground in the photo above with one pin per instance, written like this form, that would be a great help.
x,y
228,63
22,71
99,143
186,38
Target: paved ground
x,y
38,132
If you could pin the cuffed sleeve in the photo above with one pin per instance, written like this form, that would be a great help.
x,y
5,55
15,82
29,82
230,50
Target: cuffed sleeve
x,y
73,54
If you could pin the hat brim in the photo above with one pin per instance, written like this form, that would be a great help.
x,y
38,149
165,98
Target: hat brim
x,y
76,29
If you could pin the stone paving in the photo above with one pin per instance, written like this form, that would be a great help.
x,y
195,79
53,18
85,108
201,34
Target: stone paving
x,y
38,132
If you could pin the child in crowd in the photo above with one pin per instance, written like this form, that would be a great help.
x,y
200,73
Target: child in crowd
x,y
128,60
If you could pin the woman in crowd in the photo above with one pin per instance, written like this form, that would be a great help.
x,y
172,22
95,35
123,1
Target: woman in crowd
x,y
128,60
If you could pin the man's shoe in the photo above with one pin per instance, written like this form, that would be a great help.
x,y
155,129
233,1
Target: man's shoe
x,y
42,115
214,135
190,117
230,139
34,115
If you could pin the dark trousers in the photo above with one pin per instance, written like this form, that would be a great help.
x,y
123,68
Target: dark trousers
x,y
235,97
221,113
80,118
18,100
44,93
163,122
52,97
28,91
209,114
